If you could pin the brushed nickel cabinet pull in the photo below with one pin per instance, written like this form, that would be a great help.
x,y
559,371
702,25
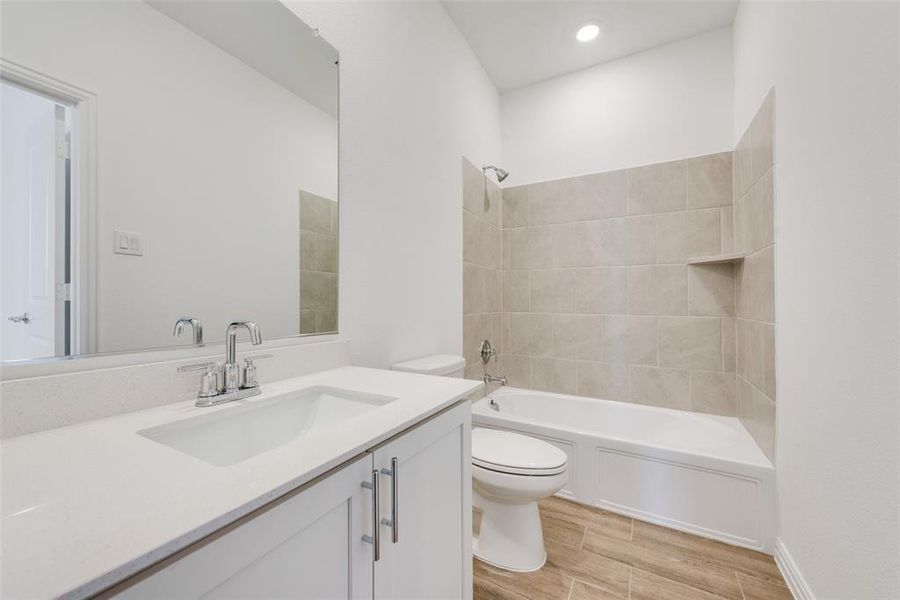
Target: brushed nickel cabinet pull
x,y
394,521
375,538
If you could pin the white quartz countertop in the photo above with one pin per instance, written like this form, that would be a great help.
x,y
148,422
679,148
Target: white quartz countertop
x,y
86,506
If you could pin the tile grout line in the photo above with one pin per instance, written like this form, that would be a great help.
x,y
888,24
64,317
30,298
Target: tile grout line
x,y
543,313
616,217
630,575
757,321
740,587
682,263
753,385
583,537
571,589
690,400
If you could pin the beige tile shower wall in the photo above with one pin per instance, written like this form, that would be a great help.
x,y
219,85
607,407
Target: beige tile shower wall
x,y
755,237
318,264
597,296
481,267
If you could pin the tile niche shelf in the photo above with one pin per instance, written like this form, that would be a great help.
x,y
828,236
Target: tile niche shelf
x,y
716,260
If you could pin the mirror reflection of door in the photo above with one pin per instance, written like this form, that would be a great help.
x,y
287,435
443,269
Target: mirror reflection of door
x,y
189,206
34,207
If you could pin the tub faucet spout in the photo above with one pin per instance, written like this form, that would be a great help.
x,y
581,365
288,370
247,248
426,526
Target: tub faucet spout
x,y
488,379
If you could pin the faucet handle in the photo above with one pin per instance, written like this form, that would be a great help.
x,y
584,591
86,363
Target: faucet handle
x,y
206,366
250,380
209,382
487,352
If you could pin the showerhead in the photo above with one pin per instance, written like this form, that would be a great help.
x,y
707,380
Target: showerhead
x,y
500,173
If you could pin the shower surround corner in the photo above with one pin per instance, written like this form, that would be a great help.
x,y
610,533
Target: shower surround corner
x,y
754,193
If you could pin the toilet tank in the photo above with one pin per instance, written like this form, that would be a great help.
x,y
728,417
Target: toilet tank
x,y
446,365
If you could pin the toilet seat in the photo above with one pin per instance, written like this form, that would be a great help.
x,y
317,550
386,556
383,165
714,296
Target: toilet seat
x,y
511,472
515,454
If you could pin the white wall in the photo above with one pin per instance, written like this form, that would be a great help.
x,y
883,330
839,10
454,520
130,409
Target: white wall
x,y
667,103
835,69
413,100
198,152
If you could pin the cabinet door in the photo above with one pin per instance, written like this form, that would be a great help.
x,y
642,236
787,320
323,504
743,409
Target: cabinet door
x,y
307,546
431,558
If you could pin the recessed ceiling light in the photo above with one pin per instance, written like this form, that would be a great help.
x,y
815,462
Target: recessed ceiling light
x,y
587,32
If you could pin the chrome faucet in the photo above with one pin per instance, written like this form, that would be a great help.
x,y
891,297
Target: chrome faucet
x,y
487,354
488,379
232,370
235,383
196,329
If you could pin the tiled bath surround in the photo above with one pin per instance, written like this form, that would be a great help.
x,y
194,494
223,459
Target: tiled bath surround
x,y
481,267
318,264
597,296
754,165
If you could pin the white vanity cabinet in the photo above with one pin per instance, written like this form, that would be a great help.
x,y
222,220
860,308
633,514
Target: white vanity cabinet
x,y
318,542
428,555
308,545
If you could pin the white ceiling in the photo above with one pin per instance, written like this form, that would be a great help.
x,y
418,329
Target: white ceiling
x,y
268,37
523,42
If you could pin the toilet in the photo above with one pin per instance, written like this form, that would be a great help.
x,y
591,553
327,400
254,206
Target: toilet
x,y
511,472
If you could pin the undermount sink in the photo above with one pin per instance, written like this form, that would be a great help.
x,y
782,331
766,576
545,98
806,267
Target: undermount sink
x,y
239,432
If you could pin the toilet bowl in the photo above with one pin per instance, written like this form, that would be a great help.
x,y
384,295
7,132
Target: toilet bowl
x,y
510,474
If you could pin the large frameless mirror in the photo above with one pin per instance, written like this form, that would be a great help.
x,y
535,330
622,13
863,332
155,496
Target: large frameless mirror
x,y
168,167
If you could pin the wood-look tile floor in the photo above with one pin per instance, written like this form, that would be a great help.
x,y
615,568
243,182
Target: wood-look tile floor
x,y
593,554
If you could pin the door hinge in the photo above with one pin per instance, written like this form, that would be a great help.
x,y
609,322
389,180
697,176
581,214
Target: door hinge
x,y
64,292
63,149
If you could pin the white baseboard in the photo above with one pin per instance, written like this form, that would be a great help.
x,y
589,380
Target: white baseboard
x,y
792,576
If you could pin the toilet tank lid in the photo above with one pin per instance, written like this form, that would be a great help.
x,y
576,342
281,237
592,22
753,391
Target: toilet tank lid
x,y
436,364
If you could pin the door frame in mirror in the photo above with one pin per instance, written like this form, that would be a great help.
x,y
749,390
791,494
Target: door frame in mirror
x,y
84,198
85,356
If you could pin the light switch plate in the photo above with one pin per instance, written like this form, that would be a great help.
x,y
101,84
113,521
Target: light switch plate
x,y
126,242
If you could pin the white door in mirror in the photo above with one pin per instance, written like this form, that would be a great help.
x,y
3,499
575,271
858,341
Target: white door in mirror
x,y
32,211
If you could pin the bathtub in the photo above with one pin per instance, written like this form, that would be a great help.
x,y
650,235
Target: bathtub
x,y
698,473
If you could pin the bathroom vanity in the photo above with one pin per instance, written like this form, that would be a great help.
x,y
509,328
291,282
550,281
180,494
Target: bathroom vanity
x,y
124,475
360,488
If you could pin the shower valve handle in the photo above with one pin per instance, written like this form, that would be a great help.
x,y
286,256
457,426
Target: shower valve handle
x,y
487,352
